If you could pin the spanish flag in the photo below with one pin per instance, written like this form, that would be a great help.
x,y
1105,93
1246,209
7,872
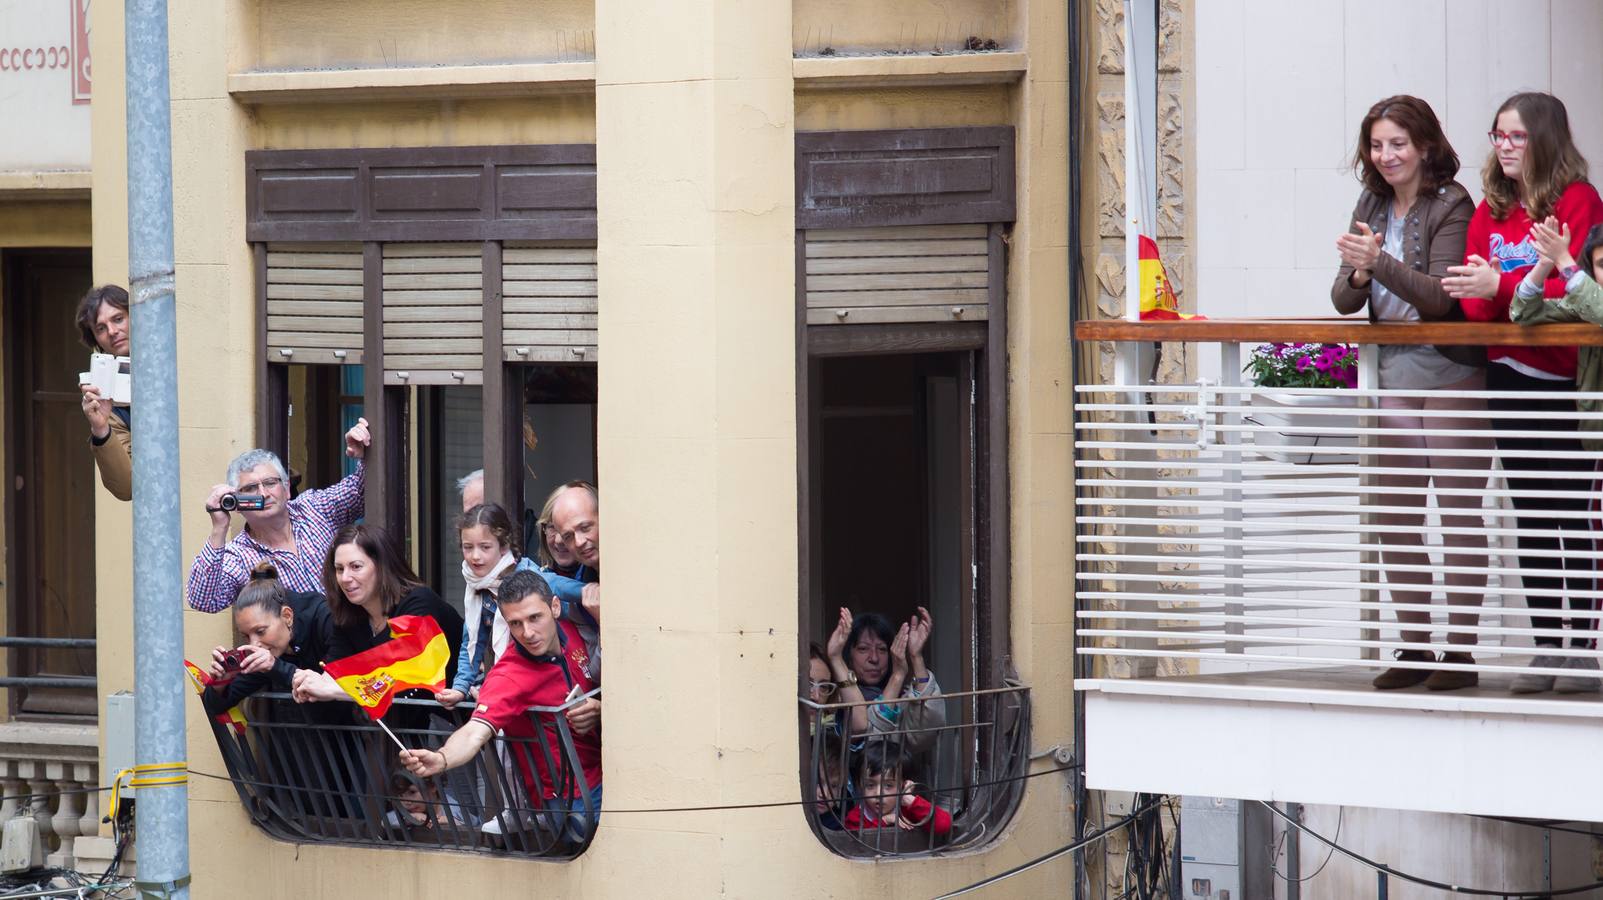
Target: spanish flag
x,y
415,656
234,718
1157,295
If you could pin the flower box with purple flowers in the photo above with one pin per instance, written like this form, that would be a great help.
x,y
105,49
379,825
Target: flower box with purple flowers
x,y
1329,366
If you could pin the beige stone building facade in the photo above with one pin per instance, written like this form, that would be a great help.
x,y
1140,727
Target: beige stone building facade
x,y
677,132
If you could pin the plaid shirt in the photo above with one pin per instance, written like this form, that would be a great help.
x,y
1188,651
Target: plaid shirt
x,y
314,517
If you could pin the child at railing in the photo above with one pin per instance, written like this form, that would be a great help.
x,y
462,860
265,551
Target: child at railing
x,y
834,789
1534,172
1582,301
418,804
489,551
887,800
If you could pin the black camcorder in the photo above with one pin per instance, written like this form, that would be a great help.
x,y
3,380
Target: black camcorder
x,y
232,502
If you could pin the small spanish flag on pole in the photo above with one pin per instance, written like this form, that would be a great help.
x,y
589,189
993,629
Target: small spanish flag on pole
x,y
415,656
1157,296
233,718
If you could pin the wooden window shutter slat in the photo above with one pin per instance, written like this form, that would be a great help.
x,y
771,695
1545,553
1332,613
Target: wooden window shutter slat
x,y
549,303
314,303
902,274
433,299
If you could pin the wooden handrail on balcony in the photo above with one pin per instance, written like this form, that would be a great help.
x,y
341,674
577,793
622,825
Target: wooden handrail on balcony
x,y
1342,330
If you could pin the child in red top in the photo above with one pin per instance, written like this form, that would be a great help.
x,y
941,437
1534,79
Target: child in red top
x,y
1535,172
887,801
1507,246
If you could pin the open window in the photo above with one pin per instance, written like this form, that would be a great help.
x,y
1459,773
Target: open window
x,y
902,422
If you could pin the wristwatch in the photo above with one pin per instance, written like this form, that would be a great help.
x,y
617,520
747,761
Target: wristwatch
x,y
850,680
1568,271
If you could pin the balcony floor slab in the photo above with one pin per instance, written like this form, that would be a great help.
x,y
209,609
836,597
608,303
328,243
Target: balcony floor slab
x,y
1326,736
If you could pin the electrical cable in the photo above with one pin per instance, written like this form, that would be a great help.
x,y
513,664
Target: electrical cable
x,y
1080,844
1341,816
1426,882
687,809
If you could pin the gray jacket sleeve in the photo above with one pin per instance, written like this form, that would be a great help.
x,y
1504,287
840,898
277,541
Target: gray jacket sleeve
x,y
920,714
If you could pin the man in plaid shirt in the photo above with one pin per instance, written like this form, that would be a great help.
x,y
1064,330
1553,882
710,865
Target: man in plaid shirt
x,y
294,534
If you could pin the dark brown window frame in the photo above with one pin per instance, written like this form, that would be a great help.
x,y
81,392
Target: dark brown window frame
x,y
947,164
910,178
488,194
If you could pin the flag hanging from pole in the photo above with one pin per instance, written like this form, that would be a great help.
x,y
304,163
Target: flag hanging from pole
x,y
1158,300
233,717
415,656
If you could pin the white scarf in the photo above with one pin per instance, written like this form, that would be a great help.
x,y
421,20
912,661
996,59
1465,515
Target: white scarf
x,y
471,609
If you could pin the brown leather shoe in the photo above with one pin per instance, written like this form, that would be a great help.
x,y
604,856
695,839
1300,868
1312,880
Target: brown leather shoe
x,y
1453,679
1394,678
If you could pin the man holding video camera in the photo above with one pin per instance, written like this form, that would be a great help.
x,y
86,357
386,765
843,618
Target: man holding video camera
x,y
103,326
294,534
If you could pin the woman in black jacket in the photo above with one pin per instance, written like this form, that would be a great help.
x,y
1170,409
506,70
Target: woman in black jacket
x,y
284,632
302,757
368,583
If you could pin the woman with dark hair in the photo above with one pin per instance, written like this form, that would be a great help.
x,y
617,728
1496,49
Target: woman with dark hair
x,y
1407,230
872,659
369,582
1534,172
103,327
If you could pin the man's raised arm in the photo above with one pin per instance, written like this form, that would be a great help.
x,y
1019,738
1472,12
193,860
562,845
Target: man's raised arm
x,y
464,744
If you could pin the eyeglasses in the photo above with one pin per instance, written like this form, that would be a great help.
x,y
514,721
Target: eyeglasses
x,y
823,688
1517,139
256,486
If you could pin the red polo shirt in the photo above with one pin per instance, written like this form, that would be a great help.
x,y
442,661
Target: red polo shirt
x,y
519,680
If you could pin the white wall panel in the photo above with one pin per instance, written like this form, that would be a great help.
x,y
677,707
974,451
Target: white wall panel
x,y
1282,84
1222,65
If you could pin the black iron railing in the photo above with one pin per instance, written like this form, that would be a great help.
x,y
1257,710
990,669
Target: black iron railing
x,y
967,755
321,772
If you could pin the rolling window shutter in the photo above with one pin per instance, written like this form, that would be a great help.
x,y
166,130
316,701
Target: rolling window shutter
x,y
548,305
921,273
433,313
314,303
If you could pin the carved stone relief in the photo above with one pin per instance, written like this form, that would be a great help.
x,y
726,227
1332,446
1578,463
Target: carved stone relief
x,y
1171,160
1110,36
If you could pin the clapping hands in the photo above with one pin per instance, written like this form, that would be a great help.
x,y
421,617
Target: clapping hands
x,y
1361,250
1552,239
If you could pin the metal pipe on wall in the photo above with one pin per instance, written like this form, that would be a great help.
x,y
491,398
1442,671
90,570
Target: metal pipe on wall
x,y
162,814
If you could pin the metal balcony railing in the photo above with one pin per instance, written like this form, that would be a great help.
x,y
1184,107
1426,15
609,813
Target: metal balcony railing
x,y
970,763
321,772
1231,535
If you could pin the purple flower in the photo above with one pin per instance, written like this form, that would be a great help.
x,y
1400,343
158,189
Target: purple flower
x,y
1322,364
1303,363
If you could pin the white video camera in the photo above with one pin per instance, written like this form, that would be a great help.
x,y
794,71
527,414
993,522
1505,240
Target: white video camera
x,y
109,374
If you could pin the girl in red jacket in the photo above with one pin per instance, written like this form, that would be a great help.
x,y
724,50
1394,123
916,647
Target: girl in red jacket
x,y
1534,171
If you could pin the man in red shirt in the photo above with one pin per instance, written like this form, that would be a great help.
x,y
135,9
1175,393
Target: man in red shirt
x,y
546,668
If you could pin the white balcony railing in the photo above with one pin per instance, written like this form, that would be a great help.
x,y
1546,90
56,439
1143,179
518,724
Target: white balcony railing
x,y
1240,547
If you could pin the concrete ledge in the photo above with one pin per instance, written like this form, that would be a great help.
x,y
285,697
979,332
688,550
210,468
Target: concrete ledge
x,y
909,70
1448,761
49,740
45,185
412,83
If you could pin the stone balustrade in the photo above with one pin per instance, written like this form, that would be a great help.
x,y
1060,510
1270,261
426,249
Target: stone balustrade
x,y
50,771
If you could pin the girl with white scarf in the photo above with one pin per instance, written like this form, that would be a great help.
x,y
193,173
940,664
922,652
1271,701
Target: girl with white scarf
x,y
489,551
